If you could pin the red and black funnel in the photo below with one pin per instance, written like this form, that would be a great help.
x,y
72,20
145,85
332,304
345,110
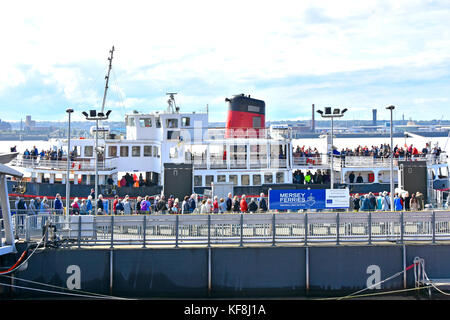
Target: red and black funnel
x,y
245,118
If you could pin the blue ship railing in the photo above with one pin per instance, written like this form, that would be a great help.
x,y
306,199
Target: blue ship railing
x,y
235,229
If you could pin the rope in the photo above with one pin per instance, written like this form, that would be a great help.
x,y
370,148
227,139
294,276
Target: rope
x,y
378,293
58,287
56,292
376,284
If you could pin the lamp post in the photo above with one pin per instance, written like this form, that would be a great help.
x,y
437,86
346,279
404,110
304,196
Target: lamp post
x,y
69,112
392,157
337,113
93,115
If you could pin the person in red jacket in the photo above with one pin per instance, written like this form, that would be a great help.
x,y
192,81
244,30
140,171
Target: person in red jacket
x,y
244,206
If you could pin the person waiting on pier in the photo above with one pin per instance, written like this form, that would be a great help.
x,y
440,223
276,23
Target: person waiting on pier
x,y
216,205
413,203
145,205
89,205
406,201
119,207
365,203
185,205
243,204
192,203
75,207
100,206
252,207
262,204
162,205
236,205
372,202
397,203
385,201
58,205
222,205
116,201
229,202
356,202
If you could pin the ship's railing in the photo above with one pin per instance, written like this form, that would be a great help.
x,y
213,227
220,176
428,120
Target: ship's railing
x,y
77,164
238,229
244,133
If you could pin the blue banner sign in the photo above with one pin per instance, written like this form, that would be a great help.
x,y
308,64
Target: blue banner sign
x,y
308,199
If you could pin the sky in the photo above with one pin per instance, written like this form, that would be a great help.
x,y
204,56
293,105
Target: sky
x,y
361,55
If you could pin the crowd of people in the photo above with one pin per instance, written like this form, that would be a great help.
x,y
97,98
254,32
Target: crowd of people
x,y
144,205
382,151
402,202
318,177
49,154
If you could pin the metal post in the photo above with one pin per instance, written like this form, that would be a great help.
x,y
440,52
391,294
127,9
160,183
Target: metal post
x,y
209,230
112,231
242,230
337,228
273,230
306,228
401,227
69,111
79,231
433,226
96,166
144,230
404,267
209,272
176,231
111,271
392,159
332,162
307,268
370,227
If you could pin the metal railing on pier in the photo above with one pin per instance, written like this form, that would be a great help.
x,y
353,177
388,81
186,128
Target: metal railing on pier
x,y
237,229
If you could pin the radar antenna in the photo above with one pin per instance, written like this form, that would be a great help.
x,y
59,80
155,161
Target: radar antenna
x,y
172,107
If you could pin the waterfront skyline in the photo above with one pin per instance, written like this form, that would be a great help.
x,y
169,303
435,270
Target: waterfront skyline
x,y
362,56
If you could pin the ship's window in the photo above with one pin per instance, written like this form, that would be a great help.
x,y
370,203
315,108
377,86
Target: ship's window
x,y
280,177
245,180
185,121
145,122
172,123
124,151
221,178
112,151
197,181
233,178
268,178
136,151
155,151
256,179
158,122
88,151
147,151
209,180
130,121
173,135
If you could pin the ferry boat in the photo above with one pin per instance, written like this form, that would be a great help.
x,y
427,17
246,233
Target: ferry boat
x,y
178,153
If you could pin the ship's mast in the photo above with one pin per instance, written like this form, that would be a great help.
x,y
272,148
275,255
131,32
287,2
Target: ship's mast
x,y
107,78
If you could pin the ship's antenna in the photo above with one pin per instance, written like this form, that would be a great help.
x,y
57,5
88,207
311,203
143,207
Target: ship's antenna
x,y
172,103
107,78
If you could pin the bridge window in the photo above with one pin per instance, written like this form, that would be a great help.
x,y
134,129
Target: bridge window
x,y
130,121
147,151
172,123
209,180
173,135
233,178
88,151
158,122
112,151
197,181
145,122
155,152
185,121
221,178
124,151
136,151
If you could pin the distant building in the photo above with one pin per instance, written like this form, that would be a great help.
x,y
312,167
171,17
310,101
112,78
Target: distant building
x,y
5,125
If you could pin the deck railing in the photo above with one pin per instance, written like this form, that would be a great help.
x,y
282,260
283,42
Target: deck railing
x,y
238,229
77,164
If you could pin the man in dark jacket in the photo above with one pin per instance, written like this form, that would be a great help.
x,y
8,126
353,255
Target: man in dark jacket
x,y
192,204
252,207
262,205
229,202
356,202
